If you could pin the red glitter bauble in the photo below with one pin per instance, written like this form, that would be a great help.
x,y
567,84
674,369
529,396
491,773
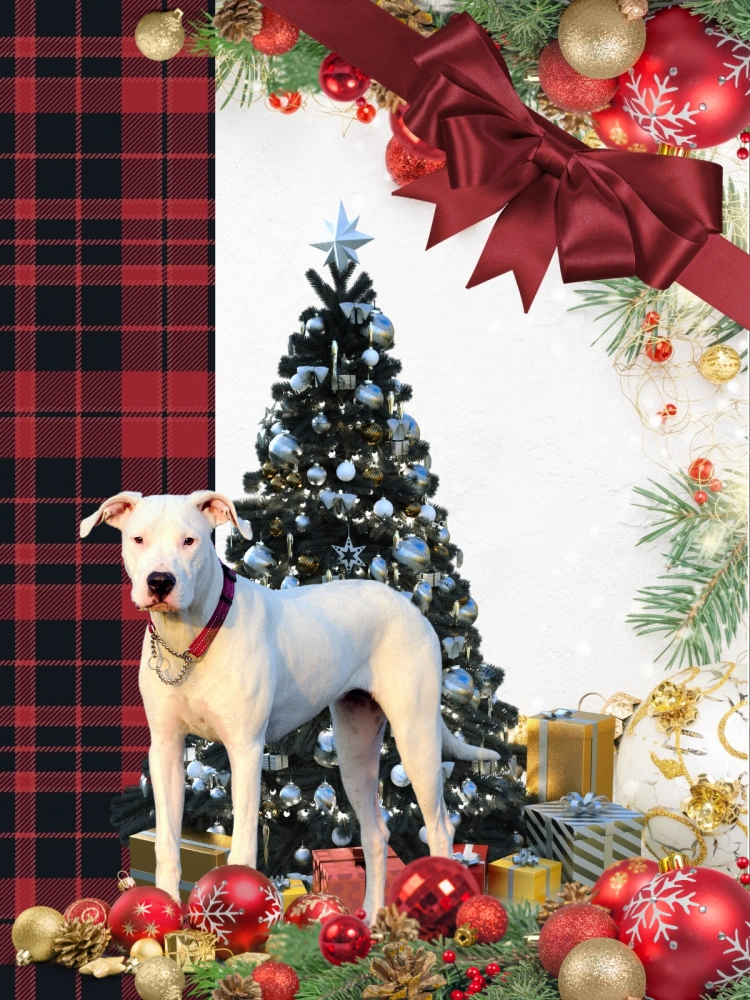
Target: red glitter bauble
x,y
659,349
143,912
617,884
701,470
276,35
430,891
617,130
407,138
314,908
277,980
566,87
95,910
691,930
340,80
344,938
236,903
569,926
486,915
690,86
405,167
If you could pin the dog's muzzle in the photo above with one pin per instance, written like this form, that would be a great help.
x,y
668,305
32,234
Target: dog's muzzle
x,y
160,584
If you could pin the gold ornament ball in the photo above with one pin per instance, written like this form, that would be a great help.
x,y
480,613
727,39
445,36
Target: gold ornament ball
x,y
159,979
160,35
146,948
35,930
599,41
720,363
601,969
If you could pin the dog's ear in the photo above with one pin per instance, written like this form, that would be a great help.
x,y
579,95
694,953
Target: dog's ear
x,y
218,509
114,511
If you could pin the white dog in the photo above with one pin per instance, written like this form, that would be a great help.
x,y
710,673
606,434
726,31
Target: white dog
x,y
278,659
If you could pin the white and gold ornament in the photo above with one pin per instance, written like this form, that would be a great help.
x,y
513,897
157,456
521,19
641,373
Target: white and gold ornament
x,y
683,762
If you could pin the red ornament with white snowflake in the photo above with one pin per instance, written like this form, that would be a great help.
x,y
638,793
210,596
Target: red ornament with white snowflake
x,y
617,130
236,903
617,884
143,912
691,86
314,908
691,929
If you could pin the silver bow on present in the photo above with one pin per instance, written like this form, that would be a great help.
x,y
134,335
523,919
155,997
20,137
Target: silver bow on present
x,y
283,881
467,857
329,498
525,857
358,312
398,428
305,371
584,805
557,713
453,646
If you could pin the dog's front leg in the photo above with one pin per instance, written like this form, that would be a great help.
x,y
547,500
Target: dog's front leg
x,y
168,780
246,759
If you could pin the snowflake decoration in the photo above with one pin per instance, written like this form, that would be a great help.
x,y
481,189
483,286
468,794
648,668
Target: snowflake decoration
x,y
740,65
349,561
313,900
618,880
740,952
656,113
212,912
656,903
275,911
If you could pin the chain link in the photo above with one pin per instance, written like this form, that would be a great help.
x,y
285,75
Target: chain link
x,y
156,659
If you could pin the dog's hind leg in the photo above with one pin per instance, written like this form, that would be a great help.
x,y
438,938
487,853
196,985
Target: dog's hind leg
x,y
358,725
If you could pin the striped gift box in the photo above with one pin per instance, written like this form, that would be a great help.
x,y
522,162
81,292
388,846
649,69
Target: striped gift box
x,y
585,845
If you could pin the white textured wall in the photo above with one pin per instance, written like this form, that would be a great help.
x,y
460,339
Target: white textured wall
x,y
536,447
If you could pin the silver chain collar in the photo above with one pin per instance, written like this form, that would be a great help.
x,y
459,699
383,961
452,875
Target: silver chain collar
x,y
156,660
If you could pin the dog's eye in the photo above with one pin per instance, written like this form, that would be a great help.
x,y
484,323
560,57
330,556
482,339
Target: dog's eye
x,y
138,540
189,541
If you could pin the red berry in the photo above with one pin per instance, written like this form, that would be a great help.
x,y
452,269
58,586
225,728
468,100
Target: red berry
x,y
492,969
361,914
716,486
744,136
742,153
474,987
700,496
458,995
743,862
652,319
670,408
701,470
659,349
449,956
745,878
481,980
361,101
366,113
472,972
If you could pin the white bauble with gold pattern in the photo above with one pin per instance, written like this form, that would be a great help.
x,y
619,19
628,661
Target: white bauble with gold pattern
x,y
683,762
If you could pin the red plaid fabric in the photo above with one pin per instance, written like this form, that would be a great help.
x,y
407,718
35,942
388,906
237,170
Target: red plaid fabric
x,y
106,314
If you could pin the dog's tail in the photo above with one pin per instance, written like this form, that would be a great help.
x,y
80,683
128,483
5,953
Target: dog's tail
x,y
454,749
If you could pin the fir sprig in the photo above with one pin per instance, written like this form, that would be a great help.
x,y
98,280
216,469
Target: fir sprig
x,y
732,15
524,25
525,982
734,991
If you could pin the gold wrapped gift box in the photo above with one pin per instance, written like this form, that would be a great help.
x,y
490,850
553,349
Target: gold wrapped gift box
x,y
190,949
199,854
508,880
570,752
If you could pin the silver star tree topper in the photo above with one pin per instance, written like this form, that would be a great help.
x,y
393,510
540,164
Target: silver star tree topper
x,y
345,241
349,554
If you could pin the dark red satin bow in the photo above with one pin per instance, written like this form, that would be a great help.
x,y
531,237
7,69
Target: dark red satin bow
x,y
608,214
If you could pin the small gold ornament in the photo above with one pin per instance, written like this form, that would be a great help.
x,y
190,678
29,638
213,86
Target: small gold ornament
x,y
712,804
719,363
597,40
35,930
294,479
372,433
412,508
269,809
160,35
146,948
440,551
373,475
307,564
278,483
601,969
673,705
23,957
465,936
159,979
269,470
631,9
276,528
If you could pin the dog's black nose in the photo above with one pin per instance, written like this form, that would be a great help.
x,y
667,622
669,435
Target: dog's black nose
x,y
160,584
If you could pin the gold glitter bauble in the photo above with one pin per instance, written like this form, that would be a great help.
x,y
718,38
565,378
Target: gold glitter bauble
x,y
308,564
720,363
598,40
160,35
276,528
412,508
373,433
374,475
35,930
269,470
159,979
440,550
601,969
294,479
278,482
146,948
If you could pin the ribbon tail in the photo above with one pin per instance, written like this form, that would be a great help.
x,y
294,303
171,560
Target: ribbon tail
x,y
720,275
522,240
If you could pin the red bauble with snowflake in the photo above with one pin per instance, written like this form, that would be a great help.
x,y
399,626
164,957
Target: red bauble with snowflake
x,y
277,980
405,166
617,884
691,86
236,903
691,929
341,80
431,890
485,915
143,912
314,908
617,130
566,87
344,938
276,35
568,927
407,138
95,910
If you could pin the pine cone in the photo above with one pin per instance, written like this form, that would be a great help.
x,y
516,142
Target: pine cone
x,y
571,892
571,121
409,14
237,987
385,98
546,909
404,973
633,9
392,925
237,20
80,942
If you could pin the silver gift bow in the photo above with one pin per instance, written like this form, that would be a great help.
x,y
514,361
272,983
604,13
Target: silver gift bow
x,y
359,310
557,713
284,881
525,857
586,805
305,371
467,857
453,646
398,428
329,498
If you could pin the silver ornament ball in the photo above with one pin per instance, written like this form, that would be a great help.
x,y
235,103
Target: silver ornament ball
x,y
259,559
383,333
341,837
302,523
458,685
379,569
419,475
325,797
399,776
412,428
423,834
467,612
284,449
288,582
302,855
455,818
315,325
370,357
316,475
412,552
290,795
469,789
346,471
370,395
428,512
446,584
444,536
327,741
383,508
422,595
321,424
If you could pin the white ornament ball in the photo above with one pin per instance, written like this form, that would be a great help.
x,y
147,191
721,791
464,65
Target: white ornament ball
x,y
303,855
682,761
341,837
298,382
288,582
423,834
383,507
428,512
370,357
346,471
399,776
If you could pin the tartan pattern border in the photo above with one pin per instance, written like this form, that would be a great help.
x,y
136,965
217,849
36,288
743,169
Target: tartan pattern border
x,y
106,334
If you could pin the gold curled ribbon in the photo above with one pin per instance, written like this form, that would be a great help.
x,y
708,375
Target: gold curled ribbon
x,y
739,754
659,811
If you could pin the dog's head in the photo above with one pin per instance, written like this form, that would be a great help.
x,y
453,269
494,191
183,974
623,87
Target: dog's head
x,y
166,542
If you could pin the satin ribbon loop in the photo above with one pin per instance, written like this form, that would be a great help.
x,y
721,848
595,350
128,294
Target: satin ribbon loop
x,y
557,713
284,881
524,858
584,805
551,156
467,857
